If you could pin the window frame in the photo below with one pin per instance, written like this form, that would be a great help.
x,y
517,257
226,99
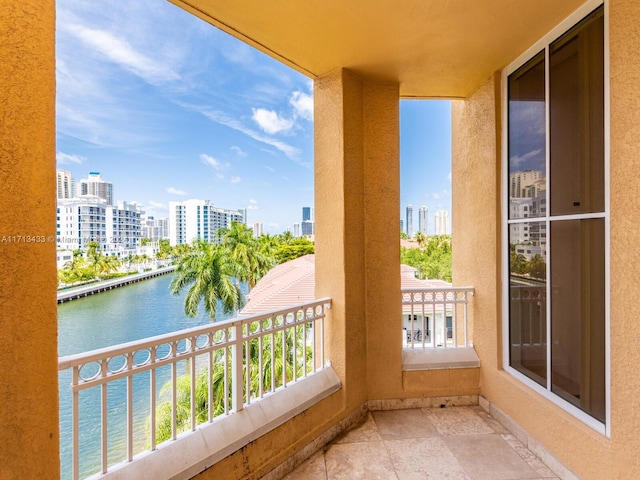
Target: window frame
x,y
544,44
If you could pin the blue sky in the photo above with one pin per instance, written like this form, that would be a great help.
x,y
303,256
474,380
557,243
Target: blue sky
x,y
168,107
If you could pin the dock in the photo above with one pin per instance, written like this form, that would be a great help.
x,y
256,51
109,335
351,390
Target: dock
x,y
79,292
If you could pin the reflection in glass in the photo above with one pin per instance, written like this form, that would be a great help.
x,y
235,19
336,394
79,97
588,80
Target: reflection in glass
x,y
527,293
527,140
576,118
578,313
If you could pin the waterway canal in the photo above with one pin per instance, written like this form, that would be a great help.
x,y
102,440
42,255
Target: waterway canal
x,y
132,312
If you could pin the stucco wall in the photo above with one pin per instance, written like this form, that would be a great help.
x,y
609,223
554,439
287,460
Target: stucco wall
x,y
625,233
28,328
477,217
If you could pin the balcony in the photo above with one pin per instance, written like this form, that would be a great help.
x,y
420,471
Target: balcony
x,y
244,400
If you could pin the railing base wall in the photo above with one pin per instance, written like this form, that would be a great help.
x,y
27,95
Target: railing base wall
x,y
194,452
442,382
439,358
546,457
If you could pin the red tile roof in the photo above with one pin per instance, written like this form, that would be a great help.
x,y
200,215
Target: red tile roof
x,y
294,282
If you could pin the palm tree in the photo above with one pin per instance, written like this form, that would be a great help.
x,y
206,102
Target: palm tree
x,y
105,265
209,274
268,244
250,264
420,238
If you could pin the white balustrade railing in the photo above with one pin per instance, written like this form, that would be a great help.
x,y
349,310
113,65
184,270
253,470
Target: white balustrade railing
x,y
191,376
436,317
528,309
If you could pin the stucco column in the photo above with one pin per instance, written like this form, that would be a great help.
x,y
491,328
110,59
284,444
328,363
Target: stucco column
x,y
357,242
28,328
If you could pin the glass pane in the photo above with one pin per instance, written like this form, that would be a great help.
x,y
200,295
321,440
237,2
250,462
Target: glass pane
x,y
578,313
527,140
527,289
576,118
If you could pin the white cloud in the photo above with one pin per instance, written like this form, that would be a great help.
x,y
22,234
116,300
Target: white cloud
x,y
68,159
253,204
290,151
120,52
436,196
175,191
238,151
449,176
212,162
302,104
235,179
270,122
517,161
153,204
271,169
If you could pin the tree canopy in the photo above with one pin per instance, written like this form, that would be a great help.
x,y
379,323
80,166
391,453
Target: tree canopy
x,y
432,258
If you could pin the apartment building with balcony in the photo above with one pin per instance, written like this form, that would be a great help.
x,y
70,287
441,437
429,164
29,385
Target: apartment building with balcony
x,y
572,66
198,219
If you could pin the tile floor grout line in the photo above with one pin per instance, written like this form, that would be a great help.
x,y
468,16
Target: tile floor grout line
x,y
384,444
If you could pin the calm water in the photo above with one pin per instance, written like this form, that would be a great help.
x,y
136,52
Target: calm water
x,y
133,312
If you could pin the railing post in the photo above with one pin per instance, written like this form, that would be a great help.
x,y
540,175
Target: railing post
x,y
237,383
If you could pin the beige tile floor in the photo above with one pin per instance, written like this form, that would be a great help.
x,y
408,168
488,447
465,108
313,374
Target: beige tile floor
x,y
453,443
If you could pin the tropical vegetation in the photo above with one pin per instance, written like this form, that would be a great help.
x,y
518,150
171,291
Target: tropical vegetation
x,y
534,267
431,258
212,273
276,368
92,266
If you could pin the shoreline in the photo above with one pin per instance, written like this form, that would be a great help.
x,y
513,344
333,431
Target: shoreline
x,y
80,292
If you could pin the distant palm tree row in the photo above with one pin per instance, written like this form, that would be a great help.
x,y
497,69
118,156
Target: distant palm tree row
x,y
238,255
95,265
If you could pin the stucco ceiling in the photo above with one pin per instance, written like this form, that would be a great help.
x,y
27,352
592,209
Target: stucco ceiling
x,y
433,48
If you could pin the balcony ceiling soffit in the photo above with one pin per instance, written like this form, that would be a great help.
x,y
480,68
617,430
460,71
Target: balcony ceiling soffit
x,y
433,48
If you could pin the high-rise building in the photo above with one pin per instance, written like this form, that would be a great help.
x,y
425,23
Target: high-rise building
x,y
198,219
296,229
401,225
85,219
306,214
95,185
80,221
243,212
155,228
521,183
64,184
442,222
307,221
257,228
423,219
409,220
124,228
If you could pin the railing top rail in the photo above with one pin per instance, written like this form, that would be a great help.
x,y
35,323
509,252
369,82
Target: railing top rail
x,y
70,361
439,289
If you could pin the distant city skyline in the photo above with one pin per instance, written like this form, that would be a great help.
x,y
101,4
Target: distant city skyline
x,y
214,119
